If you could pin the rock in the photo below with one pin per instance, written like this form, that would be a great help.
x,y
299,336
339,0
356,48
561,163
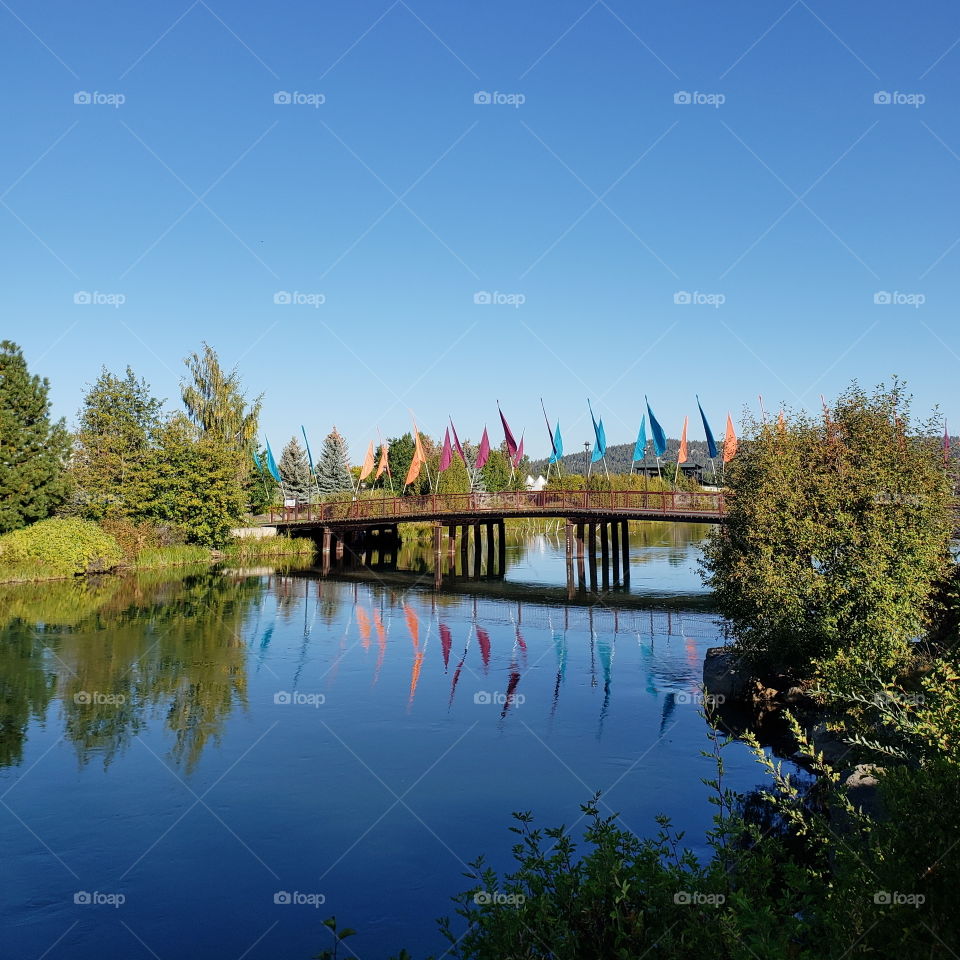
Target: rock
x,y
724,678
862,786
833,748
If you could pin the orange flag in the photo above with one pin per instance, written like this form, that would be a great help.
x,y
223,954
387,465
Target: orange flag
x,y
383,464
682,456
367,467
419,457
729,442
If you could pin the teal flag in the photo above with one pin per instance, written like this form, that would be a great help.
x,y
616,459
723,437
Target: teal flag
x,y
557,445
600,447
640,450
307,442
659,437
272,464
711,443
256,460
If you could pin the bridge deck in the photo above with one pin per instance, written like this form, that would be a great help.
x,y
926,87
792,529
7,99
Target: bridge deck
x,y
458,508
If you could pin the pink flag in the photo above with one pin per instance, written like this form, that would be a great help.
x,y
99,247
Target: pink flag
x,y
484,452
447,454
456,444
519,456
508,435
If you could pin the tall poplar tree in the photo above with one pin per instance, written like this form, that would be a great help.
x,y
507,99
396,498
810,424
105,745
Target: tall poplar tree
x,y
33,450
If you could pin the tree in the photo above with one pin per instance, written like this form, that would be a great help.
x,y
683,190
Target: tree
x,y
332,469
33,451
496,472
113,447
295,471
837,535
193,484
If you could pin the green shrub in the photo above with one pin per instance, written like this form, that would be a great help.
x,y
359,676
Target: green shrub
x,y
61,547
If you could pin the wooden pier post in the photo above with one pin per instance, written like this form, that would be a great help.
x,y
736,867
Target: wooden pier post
x,y
476,550
625,547
570,537
502,548
437,556
605,554
592,553
464,550
490,548
615,550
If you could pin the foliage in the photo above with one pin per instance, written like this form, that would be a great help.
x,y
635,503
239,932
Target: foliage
x,y
260,488
245,549
496,472
332,468
183,555
455,479
113,447
61,546
33,451
837,534
193,484
136,536
295,472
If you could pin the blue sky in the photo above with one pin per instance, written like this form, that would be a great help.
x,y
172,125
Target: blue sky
x,y
782,201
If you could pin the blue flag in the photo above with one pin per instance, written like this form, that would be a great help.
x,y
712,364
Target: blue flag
x,y
557,445
659,437
256,460
272,464
600,447
640,450
307,442
711,443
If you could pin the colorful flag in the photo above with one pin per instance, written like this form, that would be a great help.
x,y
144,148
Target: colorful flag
x,y
256,460
367,467
600,447
519,456
711,443
456,443
659,437
384,463
419,457
508,436
272,464
729,442
682,455
553,442
307,444
640,448
557,445
483,453
447,456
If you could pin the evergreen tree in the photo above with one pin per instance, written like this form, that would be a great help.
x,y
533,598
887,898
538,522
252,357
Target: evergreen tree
x,y
295,471
496,472
113,449
333,471
33,451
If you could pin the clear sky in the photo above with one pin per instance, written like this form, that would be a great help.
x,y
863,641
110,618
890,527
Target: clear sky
x,y
582,198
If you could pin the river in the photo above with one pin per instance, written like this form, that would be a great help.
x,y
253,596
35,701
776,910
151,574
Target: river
x,y
209,766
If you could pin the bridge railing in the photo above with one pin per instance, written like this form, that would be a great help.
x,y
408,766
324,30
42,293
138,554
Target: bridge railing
x,y
708,504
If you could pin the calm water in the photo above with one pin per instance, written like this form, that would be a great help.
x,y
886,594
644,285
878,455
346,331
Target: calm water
x,y
197,747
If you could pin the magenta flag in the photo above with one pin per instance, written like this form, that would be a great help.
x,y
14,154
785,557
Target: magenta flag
x,y
447,454
484,452
456,444
508,436
519,456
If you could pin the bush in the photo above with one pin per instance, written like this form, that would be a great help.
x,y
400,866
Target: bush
x,y
135,537
61,547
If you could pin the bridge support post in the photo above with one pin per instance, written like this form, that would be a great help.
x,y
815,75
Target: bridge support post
x,y
502,548
615,550
625,547
570,537
464,550
452,548
476,550
592,553
581,573
605,553
490,548
437,556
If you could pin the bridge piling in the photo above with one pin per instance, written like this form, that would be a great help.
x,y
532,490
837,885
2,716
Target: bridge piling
x,y
592,553
464,550
605,554
615,550
625,547
476,550
437,556
490,548
502,548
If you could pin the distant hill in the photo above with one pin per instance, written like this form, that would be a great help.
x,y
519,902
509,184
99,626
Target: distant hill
x,y
619,457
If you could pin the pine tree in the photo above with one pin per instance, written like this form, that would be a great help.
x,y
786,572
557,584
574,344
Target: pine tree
x,y
295,471
333,471
33,451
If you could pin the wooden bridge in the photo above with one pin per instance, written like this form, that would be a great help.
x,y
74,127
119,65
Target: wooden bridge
x,y
594,519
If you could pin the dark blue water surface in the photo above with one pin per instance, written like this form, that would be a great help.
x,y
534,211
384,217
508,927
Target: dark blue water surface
x,y
201,747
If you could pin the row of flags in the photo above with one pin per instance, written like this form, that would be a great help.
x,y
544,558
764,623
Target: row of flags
x,y
378,465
